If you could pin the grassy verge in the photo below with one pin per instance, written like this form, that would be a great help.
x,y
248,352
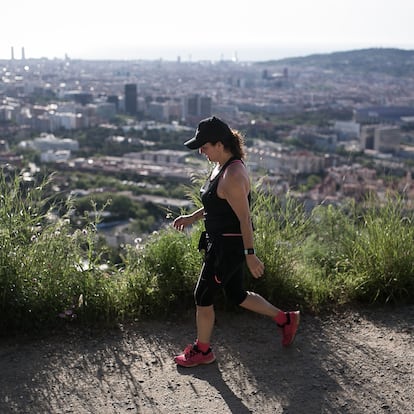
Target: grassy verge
x,y
52,274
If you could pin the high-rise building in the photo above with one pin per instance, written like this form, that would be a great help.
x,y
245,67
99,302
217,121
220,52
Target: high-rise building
x,y
114,100
381,138
191,106
131,99
387,138
197,107
205,107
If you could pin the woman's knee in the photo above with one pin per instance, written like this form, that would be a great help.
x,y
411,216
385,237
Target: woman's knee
x,y
203,296
205,311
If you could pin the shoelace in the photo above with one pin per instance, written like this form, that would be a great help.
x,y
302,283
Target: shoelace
x,y
287,321
191,351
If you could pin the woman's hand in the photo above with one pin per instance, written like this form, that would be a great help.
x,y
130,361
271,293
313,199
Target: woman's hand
x,y
181,222
185,220
255,265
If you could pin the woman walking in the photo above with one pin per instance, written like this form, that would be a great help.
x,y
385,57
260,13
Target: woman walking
x,y
228,240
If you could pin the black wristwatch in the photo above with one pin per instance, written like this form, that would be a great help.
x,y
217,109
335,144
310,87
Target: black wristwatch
x,y
249,251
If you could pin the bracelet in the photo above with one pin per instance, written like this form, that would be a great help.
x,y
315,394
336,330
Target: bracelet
x,y
249,251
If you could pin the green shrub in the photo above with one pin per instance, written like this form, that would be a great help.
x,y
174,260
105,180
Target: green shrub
x,y
160,277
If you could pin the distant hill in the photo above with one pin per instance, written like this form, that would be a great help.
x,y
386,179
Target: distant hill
x,y
395,62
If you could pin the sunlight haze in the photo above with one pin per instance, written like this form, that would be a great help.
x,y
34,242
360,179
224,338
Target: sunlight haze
x,y
247,30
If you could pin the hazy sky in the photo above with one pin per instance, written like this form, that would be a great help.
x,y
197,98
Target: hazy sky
x,y
215,29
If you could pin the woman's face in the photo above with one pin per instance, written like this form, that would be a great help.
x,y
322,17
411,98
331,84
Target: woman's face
x,y
211,151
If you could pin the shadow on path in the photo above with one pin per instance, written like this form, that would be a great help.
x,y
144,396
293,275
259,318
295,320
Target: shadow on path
x,y
357,362
213,376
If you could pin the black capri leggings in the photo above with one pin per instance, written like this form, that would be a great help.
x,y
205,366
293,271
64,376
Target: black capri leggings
x,y
222,269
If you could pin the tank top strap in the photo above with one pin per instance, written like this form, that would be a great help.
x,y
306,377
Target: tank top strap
x,y
236,160
232,160
212,184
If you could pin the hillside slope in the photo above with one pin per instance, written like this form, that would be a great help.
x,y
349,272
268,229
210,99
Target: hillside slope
x,y
395,62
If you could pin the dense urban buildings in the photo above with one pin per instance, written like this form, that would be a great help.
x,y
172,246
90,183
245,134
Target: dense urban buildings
x,y
343,111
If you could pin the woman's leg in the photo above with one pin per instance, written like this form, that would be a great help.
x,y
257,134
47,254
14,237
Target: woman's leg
x,y
287,321
258,304
205,317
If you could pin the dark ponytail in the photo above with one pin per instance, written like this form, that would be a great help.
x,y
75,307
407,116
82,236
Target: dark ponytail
x,y
236,144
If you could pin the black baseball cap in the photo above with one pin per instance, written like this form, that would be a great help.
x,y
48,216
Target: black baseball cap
x,y
211,130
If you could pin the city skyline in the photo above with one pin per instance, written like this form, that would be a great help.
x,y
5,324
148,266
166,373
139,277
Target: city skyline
x,y
186,30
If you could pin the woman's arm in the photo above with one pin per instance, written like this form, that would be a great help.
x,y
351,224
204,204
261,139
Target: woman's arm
x,y
235,188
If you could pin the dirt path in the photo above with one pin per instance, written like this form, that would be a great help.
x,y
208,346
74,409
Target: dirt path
x,y
358,362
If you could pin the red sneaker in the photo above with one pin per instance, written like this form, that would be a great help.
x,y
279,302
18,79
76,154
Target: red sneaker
x,y
192,357
290,327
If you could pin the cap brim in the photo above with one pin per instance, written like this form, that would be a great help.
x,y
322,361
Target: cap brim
x,y
193,143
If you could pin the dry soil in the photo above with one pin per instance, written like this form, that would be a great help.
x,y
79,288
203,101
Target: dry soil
x,y
352,362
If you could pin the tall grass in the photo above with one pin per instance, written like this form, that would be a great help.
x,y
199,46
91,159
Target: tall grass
x,y
52,273
48,271
323,256
280,227
381,254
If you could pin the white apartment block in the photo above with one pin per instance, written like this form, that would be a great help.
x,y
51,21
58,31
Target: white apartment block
x,y
284,162
48,142
161,157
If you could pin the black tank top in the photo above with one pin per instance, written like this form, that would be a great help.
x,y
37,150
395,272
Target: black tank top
x,y
218,215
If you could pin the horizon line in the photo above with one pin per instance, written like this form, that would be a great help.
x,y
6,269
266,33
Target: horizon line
x,y
178,57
